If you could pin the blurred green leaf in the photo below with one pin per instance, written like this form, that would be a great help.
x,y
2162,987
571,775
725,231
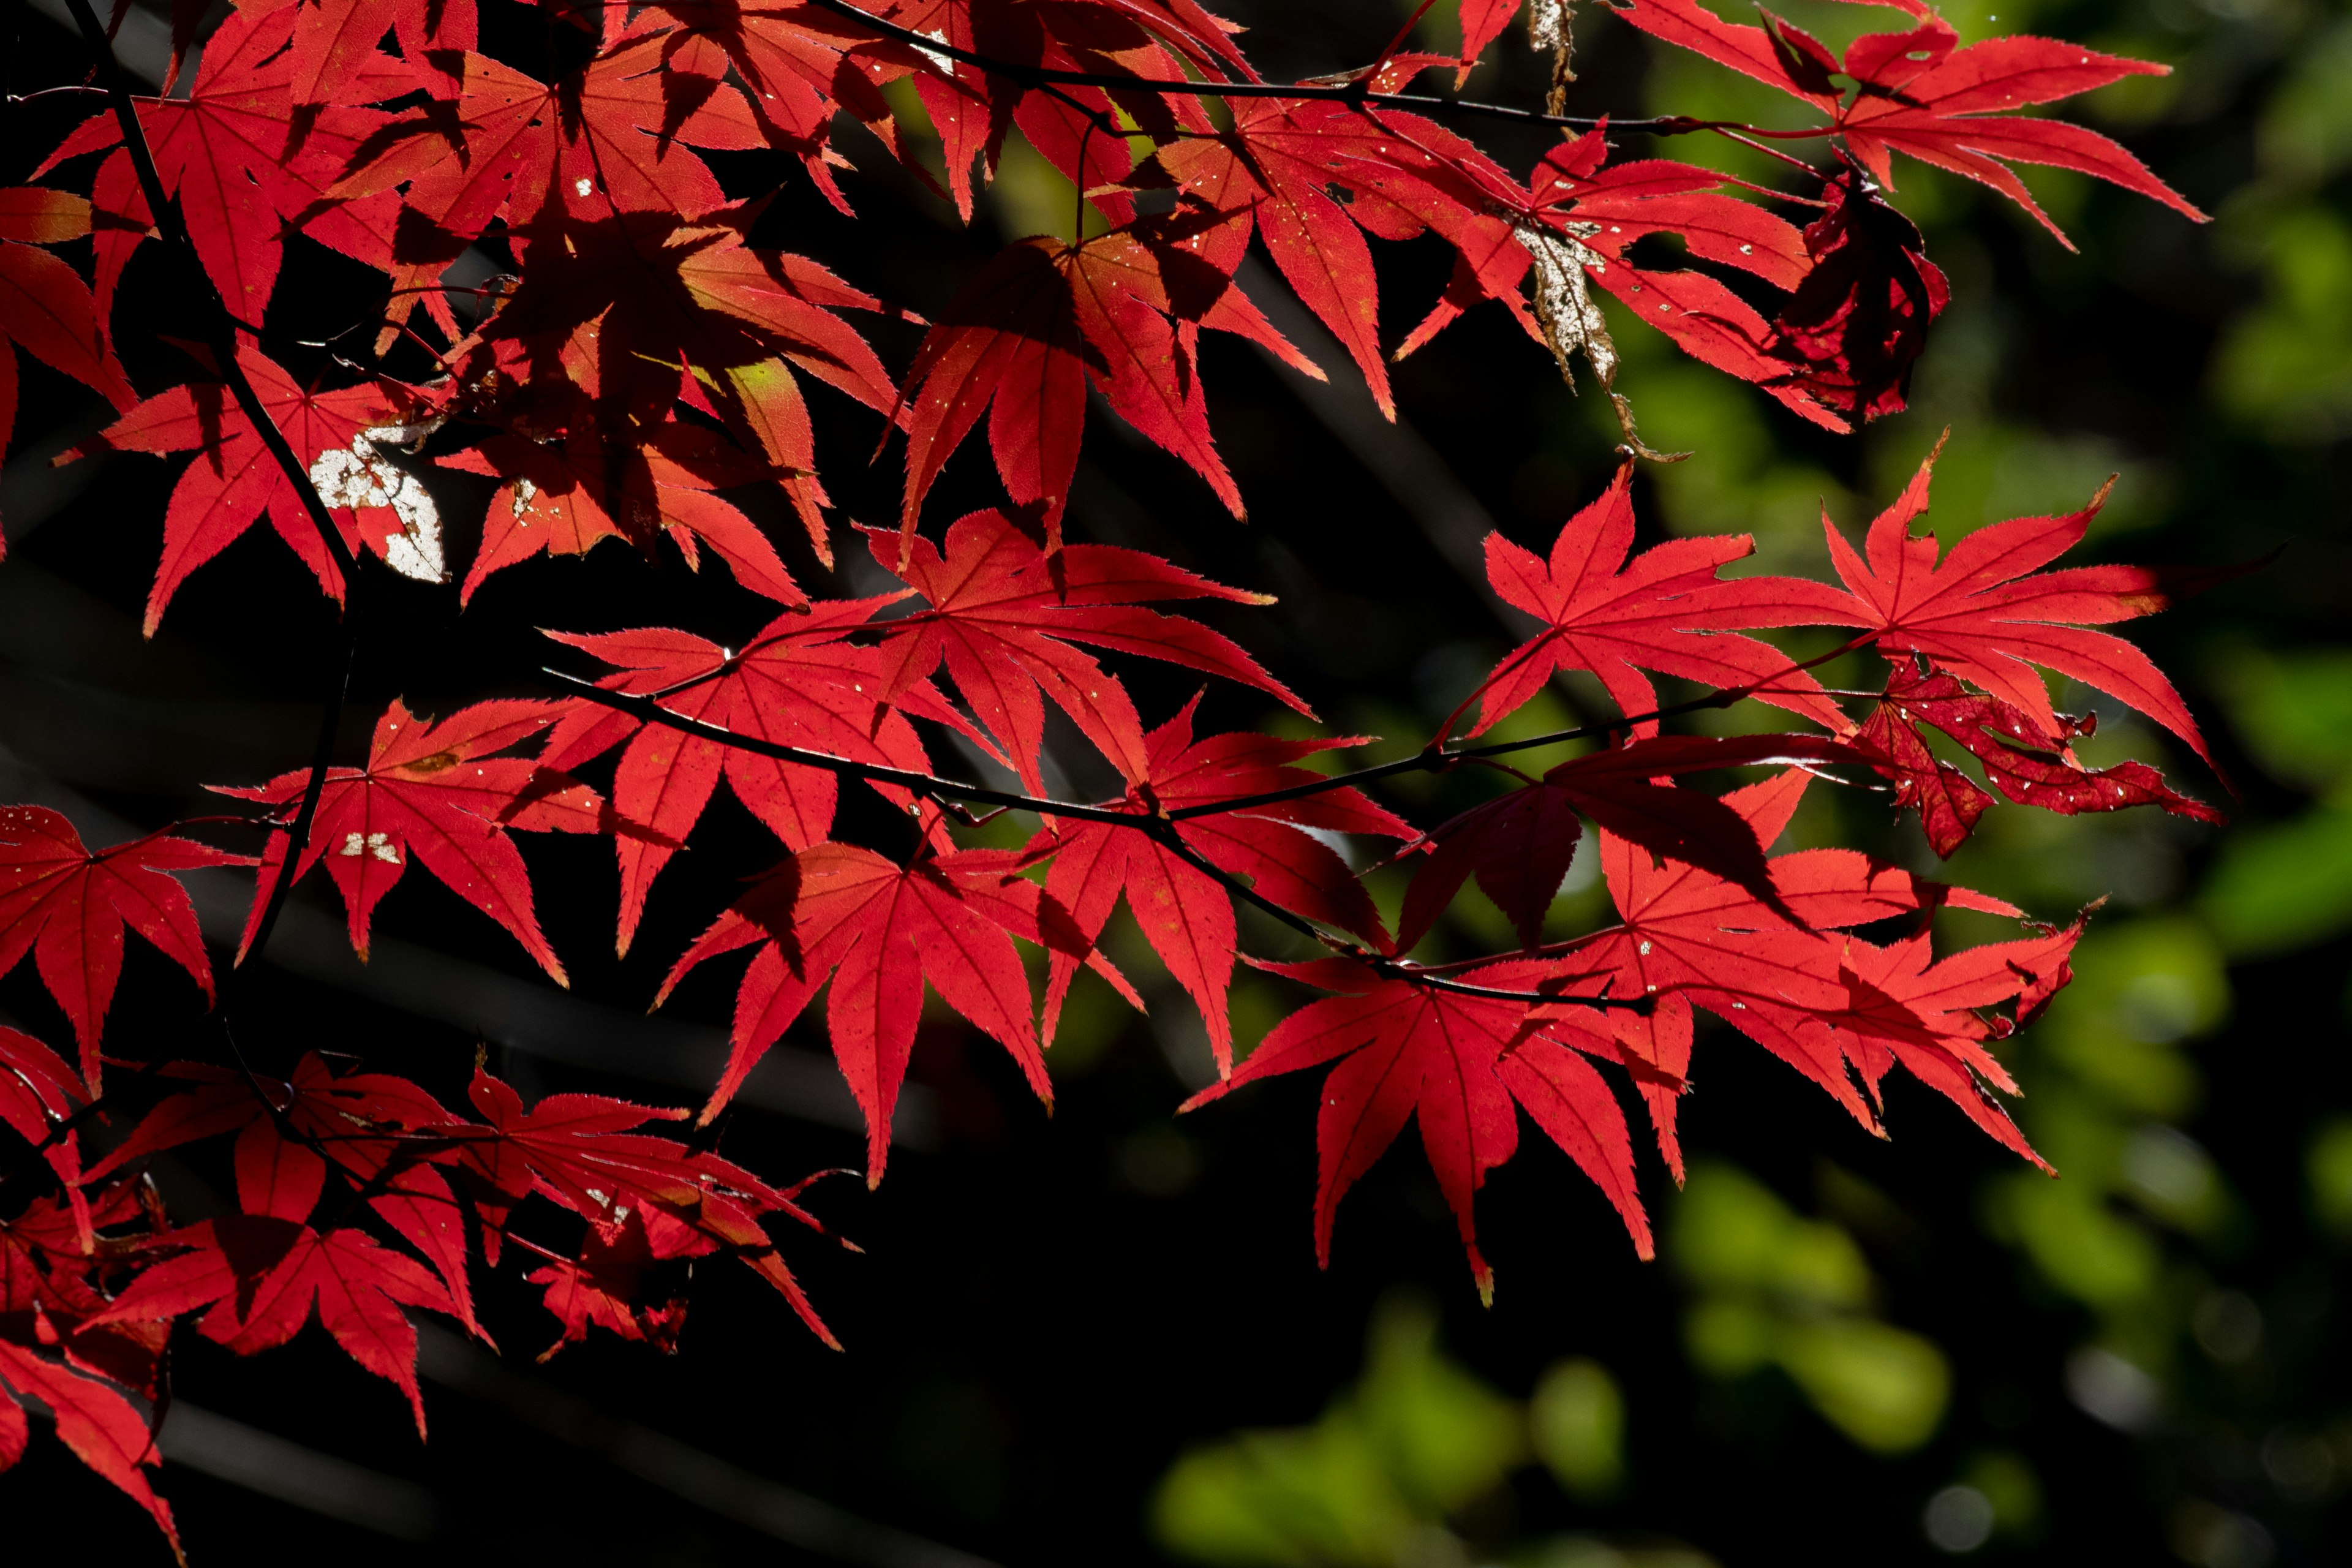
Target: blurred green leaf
x,y
1883,1386
2327,1167
1578,1421
2279,888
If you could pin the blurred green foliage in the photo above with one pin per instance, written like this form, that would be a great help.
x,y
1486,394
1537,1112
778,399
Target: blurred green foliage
x,y
1776,1289
1385,1479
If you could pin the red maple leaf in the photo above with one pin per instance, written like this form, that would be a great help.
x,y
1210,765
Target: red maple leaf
x,y
566,497
234,481
45,307
619,317
1186,914
878,931
1859,317
1984,612
1918,93
2030,764
434,791
68,907
1588,217
103,1428
583,1151
492,142
38,1092
800,683
1279,162
1933,1015
1459,1065
231,155
1044,322
262,1276
600,1288
1614,619
1002,612
1770,975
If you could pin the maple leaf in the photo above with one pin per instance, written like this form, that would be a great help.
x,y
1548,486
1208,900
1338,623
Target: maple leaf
x,y
103,1428
1616,620
583,1151
1931,1015
1277,162
434,791
1002,612
616,315
1044,322
68,907
878,931
38,1092
1185,913
1859,318
288,1134
600,1288
54,1256
567,497
45,309
491,142
262,1276
1984,612
1918,93
1769,974
1575,222
234,481
1460,1066
2031,765
230,155
799,683
1519,845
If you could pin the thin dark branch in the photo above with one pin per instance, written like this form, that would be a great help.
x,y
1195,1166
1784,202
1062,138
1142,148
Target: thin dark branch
x,y
929,786
943,791
221,330
1437,759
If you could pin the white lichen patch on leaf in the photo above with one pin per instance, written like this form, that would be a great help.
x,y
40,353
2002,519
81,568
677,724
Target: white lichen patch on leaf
x,y
359,476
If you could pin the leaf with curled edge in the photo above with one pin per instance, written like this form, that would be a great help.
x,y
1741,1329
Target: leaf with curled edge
x,y
436,791
1186,914
2031,765
38,1091
1858,321
67,906
1459,1065
1001,614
